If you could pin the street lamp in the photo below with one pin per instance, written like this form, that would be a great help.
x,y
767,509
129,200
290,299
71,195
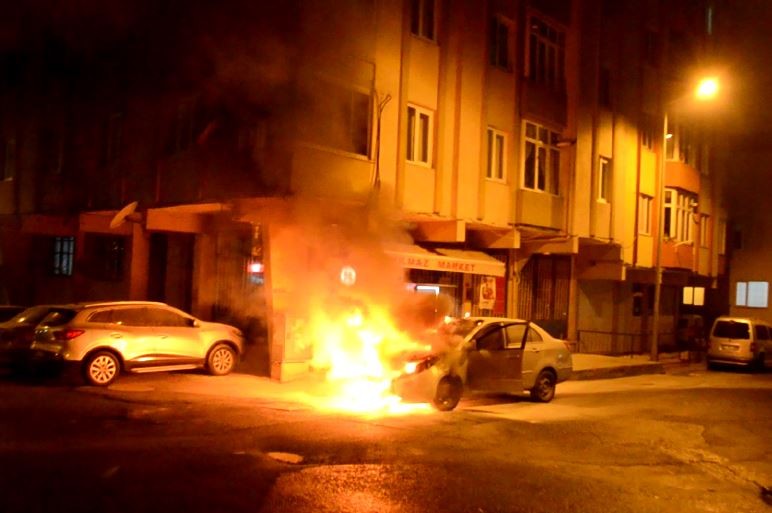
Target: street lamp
x,y
706,89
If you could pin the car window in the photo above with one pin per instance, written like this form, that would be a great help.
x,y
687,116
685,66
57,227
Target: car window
x,y
732,329
492,339
515,335
102,316
533,335
58,317
129,316
167,318
761,332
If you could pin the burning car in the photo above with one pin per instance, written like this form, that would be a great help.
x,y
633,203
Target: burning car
x,y
485,354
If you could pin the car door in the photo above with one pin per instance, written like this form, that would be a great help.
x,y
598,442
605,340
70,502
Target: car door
x,y
495,361
123,329
178,339
533,354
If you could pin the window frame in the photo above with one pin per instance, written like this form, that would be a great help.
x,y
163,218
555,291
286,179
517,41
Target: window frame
x,y
744,290
551,151
418,23
645,203
605,172
677,211
500,161
8,169
537,65
62,255
704,231
495,47
414,145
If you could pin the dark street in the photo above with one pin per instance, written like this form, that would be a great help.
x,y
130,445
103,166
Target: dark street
x,y
696,442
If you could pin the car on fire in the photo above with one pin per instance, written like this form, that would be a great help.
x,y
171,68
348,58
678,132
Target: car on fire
x,y
485,354
102,339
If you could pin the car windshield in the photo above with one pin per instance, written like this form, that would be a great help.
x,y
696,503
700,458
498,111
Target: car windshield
x,y
732,329
460,327
32,315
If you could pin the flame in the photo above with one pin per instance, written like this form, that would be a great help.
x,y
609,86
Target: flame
x,y
356,349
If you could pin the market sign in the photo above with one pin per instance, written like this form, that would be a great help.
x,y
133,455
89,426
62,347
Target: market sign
x,y
448,260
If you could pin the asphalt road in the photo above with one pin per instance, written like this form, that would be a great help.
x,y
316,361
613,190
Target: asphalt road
x,y
660,443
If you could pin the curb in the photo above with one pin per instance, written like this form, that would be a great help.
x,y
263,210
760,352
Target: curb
x,y
618,372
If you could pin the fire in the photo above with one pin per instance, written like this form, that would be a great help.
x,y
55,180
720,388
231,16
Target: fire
x,y
357,348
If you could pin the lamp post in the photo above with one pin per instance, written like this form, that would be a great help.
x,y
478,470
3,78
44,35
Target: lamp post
x,y
706,89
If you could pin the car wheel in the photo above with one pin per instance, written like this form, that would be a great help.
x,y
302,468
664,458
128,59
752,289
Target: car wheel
x,y
448,393
221,361
544,389
101,369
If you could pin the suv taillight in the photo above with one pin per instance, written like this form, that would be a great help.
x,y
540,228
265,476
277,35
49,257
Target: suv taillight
x,y
67,334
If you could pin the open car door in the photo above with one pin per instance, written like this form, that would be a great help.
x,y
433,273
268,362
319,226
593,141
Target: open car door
x,y
496,358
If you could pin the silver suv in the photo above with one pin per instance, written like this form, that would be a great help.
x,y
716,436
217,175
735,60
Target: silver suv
x,y
740,341
139,336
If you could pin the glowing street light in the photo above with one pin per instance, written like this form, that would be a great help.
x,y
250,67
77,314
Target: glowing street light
x,y
707,89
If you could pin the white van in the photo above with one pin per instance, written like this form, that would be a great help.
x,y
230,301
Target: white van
x,y
740,341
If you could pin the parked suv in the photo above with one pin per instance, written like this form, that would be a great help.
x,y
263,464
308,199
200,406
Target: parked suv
x,y
105,338
740,341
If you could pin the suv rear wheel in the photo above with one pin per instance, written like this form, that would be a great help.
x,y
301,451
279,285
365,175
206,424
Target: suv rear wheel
x,y
101,369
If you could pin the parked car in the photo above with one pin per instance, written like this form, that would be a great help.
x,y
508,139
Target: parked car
x,y
740,341
486,354
17,334
8,311
103,339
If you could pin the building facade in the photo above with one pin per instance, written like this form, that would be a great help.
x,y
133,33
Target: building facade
x,y
516,145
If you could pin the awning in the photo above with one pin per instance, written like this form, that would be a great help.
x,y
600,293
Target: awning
x,y
449,260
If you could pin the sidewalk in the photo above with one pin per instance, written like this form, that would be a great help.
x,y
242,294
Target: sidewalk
x,y
594,366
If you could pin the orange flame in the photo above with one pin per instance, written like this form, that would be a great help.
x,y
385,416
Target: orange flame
x,y
357,350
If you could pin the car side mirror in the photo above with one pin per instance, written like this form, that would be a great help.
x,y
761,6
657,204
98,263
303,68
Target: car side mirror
x,y
470,345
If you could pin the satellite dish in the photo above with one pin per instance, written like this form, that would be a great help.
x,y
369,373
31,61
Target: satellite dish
x,y
127,213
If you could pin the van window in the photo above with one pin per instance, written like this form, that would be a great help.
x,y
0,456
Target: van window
x,y
732,329
762,332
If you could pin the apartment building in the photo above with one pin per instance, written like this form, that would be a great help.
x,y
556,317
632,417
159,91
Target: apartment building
x,y
515,145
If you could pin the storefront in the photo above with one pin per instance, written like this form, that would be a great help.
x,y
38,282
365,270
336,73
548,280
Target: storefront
x,y
473,280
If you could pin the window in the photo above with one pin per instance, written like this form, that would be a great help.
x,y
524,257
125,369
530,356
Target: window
x,y
704,231
129,316
693,296
753,294
546,54
422,18
515,335
105,255
644,214
63,255
167,318
648,131
499,44
604,179
52,151
732,329
679,206
419,135
9,160
493,340
496,155
339,117
541,159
